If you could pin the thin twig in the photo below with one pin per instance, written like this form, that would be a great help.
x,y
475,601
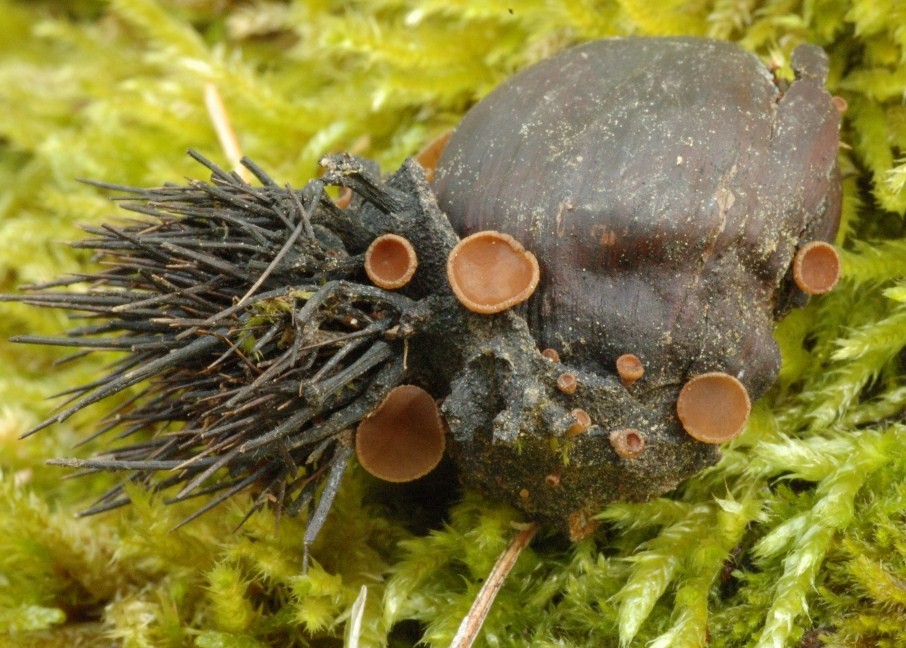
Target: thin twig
x,y
356,614
220,119
471,624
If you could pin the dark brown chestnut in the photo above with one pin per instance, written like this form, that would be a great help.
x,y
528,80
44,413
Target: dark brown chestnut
x,y
665,185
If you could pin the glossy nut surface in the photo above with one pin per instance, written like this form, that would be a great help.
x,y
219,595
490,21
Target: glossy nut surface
x,y
656,180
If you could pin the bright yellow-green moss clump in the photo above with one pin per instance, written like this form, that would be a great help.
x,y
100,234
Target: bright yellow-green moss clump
x,y
799,534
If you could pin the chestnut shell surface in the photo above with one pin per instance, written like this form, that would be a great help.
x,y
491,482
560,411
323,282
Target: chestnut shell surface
x,y
665,185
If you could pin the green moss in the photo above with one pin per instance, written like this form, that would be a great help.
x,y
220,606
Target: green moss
x,y
799,531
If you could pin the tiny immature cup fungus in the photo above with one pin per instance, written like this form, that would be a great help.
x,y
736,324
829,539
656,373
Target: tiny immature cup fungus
x,y
713,407
390,261
816,267
581,423
344,199
629,368
403,439
490,272
551,354
627,443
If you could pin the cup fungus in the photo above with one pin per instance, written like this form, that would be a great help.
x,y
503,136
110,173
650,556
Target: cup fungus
x,y
713,407
581,524
629,368
390,261
490,271
581,423
551,354
430,154
344,199
627,443
403,439
567,383
816,267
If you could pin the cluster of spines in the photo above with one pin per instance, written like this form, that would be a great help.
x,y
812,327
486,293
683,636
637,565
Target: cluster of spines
x,y
250,354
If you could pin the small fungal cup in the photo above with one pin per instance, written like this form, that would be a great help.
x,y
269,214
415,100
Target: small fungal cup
x,y
490,272
627,443
390,261
581,423
713,407
429,155
344,199
629,368
567,383
816,267
403,439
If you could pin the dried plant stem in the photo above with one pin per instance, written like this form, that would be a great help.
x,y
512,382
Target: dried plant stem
x,y
471,624
220,119
356,615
